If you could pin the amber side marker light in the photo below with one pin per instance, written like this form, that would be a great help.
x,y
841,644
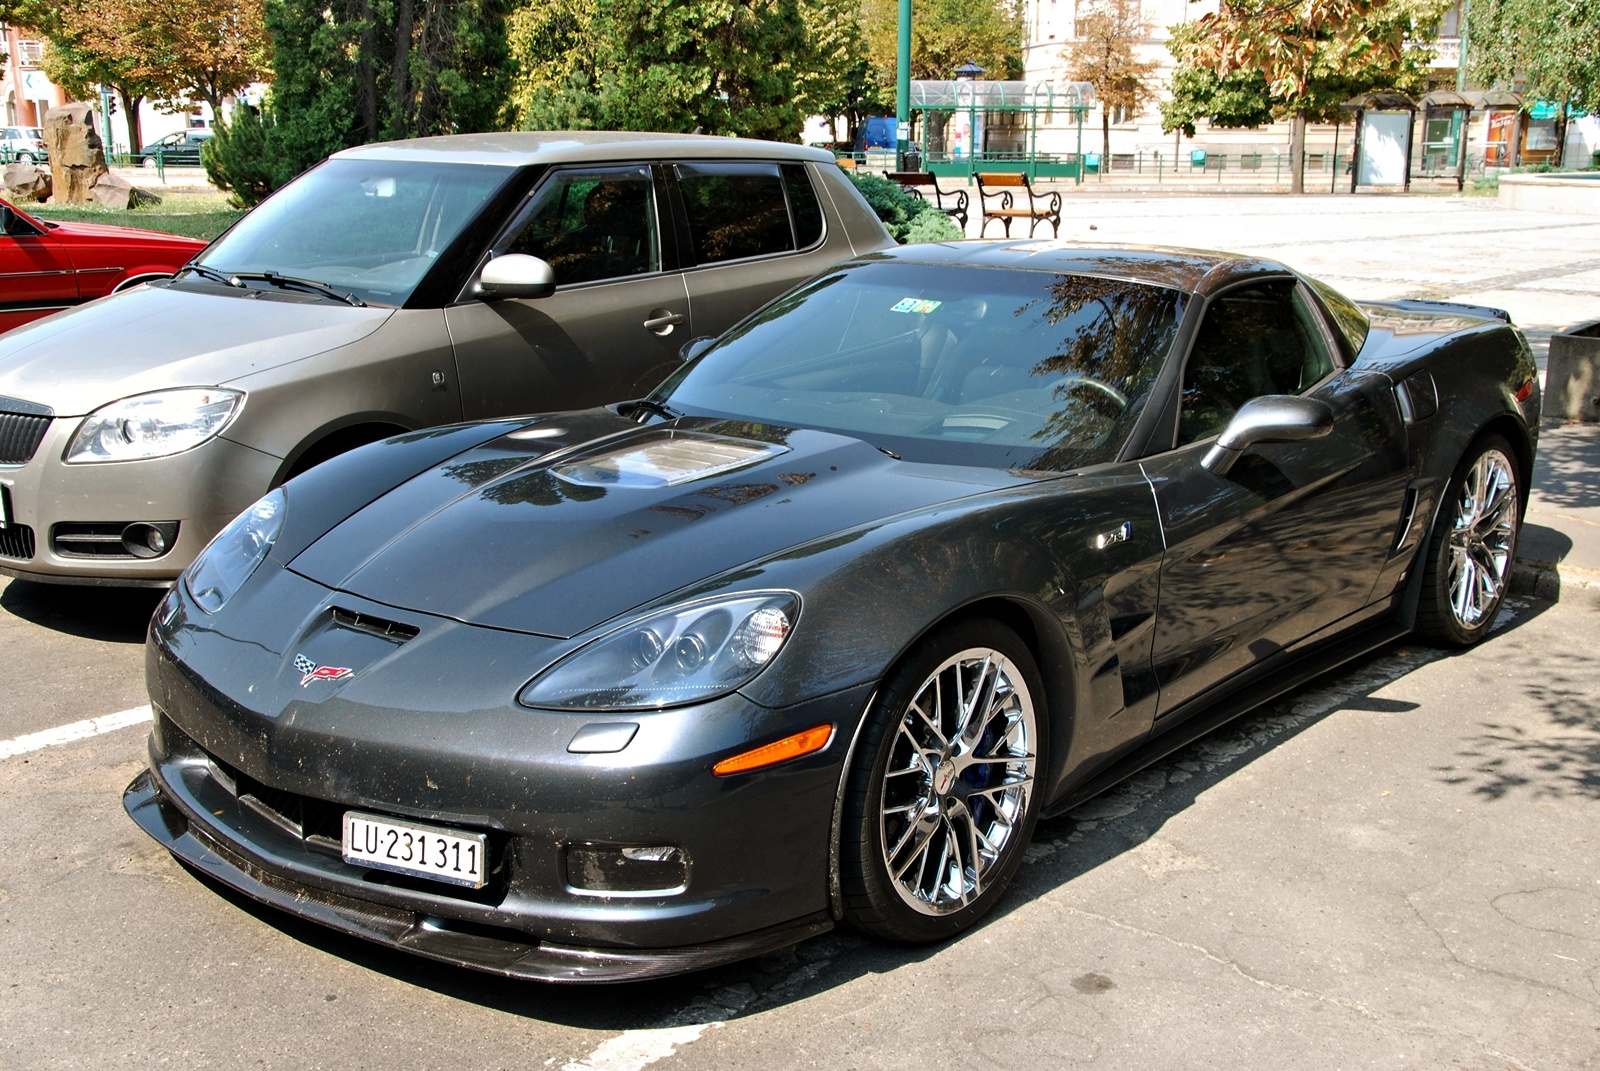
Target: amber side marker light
x,y
790,747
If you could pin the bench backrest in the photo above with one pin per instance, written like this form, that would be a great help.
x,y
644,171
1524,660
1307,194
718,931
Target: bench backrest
x,y
910,178
1002,178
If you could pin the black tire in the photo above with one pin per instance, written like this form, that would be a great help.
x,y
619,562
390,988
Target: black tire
x,y
956,787
1470,553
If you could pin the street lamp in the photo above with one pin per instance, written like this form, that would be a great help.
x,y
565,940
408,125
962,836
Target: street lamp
x,y
902,87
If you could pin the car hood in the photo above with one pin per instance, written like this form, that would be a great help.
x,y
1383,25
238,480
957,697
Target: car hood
x,y
553,538
153,337
121,234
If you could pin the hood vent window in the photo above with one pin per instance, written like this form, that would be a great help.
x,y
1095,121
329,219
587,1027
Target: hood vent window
x,y
666,461
397,631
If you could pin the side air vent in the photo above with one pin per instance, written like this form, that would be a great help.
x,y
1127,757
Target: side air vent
x,y
397,631
16,541
22,428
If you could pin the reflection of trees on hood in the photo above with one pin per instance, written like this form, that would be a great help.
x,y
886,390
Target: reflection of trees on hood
x,y
1114,333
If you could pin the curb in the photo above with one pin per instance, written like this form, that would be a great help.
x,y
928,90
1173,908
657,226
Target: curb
x,y
1546,580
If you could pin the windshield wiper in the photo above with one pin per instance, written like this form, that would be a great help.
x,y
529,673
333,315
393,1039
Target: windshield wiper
x,y
209,273
290,282
660,409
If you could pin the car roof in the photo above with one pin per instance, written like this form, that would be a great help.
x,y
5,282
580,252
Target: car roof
x,y
520,147
1201,271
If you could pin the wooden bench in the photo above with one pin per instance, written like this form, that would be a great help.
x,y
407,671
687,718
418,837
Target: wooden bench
x,y
997,187
911,181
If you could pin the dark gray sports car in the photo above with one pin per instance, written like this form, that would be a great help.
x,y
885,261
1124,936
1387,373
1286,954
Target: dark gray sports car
x,y
946,539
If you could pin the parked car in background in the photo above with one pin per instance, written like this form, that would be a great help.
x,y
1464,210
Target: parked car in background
x,y
22,143
46,266
947,539
180,149
394,287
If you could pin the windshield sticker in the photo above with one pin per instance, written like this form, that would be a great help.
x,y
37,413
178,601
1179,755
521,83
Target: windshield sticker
x,y
912,304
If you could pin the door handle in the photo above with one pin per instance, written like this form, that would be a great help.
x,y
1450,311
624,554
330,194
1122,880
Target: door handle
x,y
662,322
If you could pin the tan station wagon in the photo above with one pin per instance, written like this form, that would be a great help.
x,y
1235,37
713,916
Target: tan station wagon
x,y
394,287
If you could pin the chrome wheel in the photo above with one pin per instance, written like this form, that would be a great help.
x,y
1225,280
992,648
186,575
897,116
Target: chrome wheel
x,y
958,781
1482,538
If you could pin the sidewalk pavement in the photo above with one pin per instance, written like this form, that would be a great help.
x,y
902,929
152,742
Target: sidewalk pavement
x,y
1560,545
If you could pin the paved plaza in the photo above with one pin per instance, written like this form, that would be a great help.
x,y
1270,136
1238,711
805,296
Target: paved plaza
x,y
1395,866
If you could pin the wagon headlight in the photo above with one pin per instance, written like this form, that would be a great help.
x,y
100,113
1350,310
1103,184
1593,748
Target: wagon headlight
x,y
153,425
686,654
230,558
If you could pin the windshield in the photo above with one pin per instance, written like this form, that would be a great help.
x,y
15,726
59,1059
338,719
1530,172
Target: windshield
x,y
371,228
954,365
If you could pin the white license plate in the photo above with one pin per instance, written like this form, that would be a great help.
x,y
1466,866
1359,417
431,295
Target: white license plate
x,y
409,848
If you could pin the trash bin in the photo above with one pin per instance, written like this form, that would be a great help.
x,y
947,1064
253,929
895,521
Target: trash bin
x,y
1572,375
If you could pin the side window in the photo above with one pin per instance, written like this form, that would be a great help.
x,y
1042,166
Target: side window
x,y
593,224
1257,339
735,210
803,203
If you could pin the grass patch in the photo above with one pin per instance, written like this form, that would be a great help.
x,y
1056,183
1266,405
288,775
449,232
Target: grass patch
x,y
200,214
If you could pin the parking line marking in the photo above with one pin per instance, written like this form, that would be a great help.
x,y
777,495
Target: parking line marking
x,y
78,730
632,1050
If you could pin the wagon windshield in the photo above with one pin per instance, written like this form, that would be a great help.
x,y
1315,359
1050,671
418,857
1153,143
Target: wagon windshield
x,y
1002,368
366,226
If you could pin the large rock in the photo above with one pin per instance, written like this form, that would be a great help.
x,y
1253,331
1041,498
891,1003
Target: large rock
x,y
114,192
77,158
25,182
1572,378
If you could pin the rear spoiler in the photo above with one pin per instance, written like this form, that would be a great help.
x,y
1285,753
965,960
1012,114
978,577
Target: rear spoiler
x,y
1412,305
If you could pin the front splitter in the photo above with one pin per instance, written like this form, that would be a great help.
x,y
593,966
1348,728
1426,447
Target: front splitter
x,y
435,938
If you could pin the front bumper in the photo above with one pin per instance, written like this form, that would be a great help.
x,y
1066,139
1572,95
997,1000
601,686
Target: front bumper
x,y
202,489
170,816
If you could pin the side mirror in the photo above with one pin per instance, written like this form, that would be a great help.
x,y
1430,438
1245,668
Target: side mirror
x,y
1272,418
695,347
515,275
8,219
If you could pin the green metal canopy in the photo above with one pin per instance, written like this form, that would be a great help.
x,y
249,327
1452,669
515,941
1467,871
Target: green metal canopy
x,y
968,103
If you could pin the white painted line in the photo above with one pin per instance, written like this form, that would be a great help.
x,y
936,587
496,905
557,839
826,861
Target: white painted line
x,y
78,730
634,1049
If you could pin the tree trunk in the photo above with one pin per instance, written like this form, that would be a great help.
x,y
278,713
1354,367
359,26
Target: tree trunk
x,y
130,114
401,68
1560,158
367,75
1105,138
1297,154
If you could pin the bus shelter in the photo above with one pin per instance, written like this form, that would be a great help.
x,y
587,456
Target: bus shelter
x,y
970,125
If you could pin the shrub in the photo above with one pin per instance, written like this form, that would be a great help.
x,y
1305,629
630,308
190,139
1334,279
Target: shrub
x,y
237,159
933,226
900,210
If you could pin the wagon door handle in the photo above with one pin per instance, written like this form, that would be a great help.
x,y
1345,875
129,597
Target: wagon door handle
x,y
662,322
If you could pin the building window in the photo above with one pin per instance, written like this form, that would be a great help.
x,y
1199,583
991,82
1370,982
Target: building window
x,y
1121,114
30,53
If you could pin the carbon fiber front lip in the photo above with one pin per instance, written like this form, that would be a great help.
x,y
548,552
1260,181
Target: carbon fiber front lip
x,y
152,807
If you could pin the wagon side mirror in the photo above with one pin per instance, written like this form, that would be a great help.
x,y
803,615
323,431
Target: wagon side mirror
x,y
8,219
1272,418
515,275
695,347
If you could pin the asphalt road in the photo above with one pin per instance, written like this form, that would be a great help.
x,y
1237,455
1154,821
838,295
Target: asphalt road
x,y
1397,866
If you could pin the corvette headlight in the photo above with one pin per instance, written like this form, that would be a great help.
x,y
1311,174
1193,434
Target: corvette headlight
x,y
687,654
230,558
153,425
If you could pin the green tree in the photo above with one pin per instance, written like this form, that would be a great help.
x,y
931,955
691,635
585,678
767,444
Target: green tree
x,y
719,66
1312,55
1552,45
353,71
944,35
837,77
1103,55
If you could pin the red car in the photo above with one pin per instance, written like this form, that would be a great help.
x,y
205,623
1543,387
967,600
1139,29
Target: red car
x,y
46,267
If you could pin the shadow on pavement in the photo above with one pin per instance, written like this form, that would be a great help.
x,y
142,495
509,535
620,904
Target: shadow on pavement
x,y
111,615
1565,466
1063,849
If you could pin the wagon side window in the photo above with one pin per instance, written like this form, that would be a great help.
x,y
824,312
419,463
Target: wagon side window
x,y
593,225
1262,338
